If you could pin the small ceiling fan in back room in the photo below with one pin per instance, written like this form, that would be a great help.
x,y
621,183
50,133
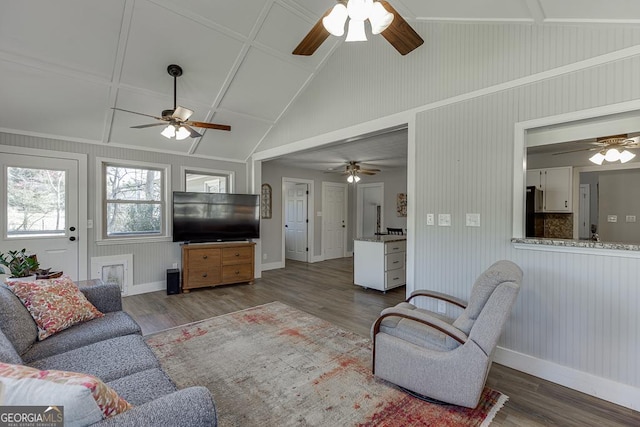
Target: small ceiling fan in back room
x,y
177,121
382,17
352,170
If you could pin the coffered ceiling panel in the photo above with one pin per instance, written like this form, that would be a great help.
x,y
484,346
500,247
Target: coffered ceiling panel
x,y
64,32
469,9
263,86
596,10
159,37
57,105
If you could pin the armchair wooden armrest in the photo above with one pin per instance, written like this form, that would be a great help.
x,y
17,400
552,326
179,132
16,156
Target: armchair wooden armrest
x,y
437,295
423,318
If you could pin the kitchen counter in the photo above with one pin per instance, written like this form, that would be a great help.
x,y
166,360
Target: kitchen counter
x,y
383,238
570,243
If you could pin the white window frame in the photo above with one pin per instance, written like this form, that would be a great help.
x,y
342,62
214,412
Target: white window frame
x,y
101,239
231,175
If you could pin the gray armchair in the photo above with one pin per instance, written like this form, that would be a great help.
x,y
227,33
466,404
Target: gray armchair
x,y
442,358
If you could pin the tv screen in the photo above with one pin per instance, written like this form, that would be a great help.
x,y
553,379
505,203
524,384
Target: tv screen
x,y
215,217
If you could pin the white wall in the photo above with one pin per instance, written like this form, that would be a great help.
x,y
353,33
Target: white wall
x,y
576,319
150,260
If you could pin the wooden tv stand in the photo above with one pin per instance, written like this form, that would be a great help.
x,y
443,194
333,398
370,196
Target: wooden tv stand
x,y
215,264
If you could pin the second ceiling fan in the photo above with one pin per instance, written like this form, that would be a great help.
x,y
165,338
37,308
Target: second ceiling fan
x,y
384,20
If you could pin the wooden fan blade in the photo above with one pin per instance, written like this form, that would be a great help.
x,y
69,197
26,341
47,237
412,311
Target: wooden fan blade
x,y
576,151
369,170
366,172
314,38
135,112
399,33
148,126
208,125
192,131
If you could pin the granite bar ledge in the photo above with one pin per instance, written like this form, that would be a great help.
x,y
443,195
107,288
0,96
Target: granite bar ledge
x,y
569,243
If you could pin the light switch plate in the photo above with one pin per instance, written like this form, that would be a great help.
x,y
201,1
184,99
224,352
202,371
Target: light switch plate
x,y
473,220
444,220
612,218
631,218
430,219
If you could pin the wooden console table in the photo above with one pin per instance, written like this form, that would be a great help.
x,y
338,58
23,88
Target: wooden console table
x,y
215,264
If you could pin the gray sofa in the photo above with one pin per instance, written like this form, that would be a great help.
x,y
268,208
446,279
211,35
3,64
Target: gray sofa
x,y
110,348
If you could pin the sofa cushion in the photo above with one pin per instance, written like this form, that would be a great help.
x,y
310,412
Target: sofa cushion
x,y
111,325
109,359
16,322
8,353
106,398
54,304
143,386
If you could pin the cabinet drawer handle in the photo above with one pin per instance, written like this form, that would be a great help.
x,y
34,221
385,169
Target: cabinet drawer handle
x,y
237,254
237,271
396,278
204,256
204,275
396,262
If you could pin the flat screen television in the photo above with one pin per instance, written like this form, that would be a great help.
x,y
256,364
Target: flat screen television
x,y
215,217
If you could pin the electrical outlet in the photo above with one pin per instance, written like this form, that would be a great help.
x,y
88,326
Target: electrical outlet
x,y
631,218
473,220
89,223
442,307
444,220
264,256
175,265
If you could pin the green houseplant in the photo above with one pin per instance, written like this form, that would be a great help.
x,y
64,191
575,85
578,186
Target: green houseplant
x,y
19,263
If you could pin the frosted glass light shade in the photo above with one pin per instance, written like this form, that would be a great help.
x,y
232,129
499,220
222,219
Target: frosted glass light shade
x,y
334,21
626,155
169,132
350,179
359,10
182,133
356,178
613,155
356,32
597,158
380,19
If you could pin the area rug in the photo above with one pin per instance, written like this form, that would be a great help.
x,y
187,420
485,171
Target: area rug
x,y
273,365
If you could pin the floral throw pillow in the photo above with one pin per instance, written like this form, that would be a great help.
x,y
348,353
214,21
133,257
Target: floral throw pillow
x,y
54,304
106,398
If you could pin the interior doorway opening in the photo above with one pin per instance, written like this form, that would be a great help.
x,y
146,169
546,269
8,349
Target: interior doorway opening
x,y
297,221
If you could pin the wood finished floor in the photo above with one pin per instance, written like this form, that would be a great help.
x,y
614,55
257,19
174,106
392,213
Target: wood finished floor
x,y
326,290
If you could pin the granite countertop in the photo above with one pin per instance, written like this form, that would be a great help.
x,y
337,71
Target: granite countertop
x,y
383,238
577,243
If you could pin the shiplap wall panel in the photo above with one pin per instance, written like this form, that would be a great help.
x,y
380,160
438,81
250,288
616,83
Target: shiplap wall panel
x,y
150,259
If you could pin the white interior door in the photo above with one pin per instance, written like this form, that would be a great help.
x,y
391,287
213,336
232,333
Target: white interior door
x,y
334,226
40,209
296,221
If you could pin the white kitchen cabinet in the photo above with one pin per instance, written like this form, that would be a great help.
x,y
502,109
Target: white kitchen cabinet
x,y
556,186
380,262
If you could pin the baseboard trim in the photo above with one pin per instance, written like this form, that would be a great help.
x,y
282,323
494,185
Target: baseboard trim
x,y
146,288
272,266
318,258
602,388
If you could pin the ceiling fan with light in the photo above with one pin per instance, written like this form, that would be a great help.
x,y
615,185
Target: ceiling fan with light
x,y
382,17
611,148
353,169
177,121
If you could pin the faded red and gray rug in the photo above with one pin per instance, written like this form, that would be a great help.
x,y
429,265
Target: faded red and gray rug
x,y
273,365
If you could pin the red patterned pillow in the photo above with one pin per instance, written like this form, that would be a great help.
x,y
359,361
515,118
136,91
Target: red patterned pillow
x,y
106,398
55,304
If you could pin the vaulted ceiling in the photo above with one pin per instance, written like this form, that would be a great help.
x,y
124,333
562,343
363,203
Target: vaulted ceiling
x,y
65,64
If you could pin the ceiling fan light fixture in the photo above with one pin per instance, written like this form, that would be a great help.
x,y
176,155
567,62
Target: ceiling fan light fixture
x,y
356,32
626,155
597,158
359,10
380,18
182,133
169,132
334,21
612,155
